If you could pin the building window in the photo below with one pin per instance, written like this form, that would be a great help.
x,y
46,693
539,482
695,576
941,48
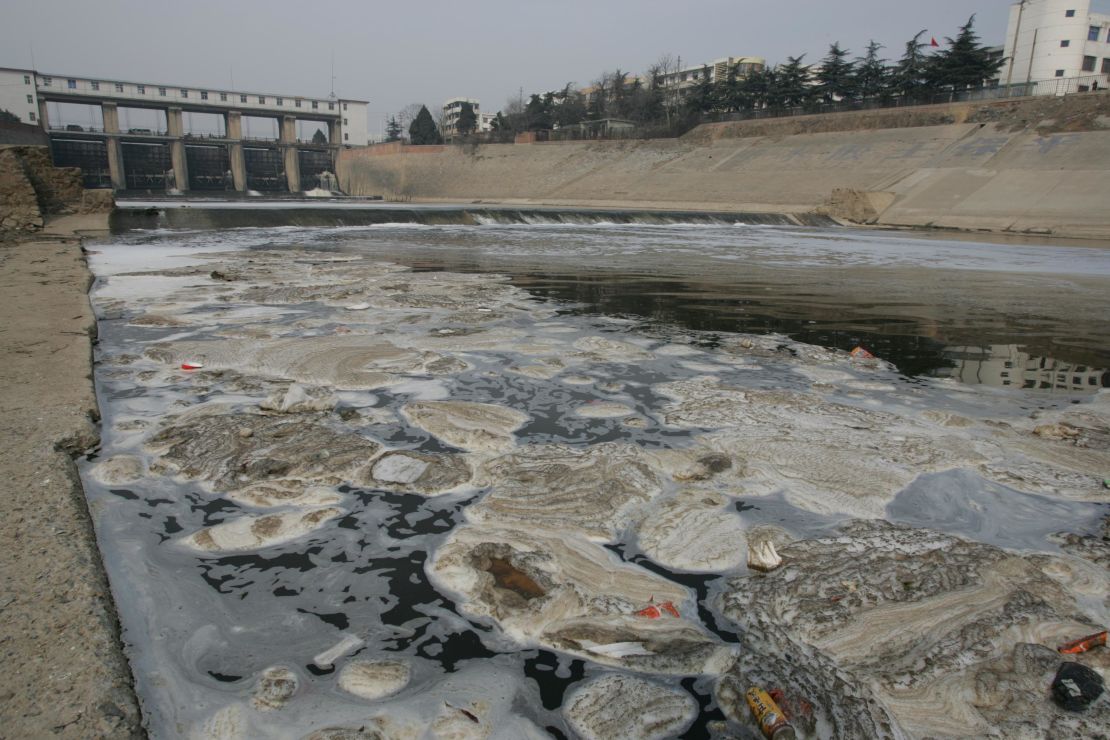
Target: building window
x,y
162,91
141,89
331,106
71,84
315,105
184,93
280,101
26,79
46,81
1089,64
223,97
204,95
30,99
297,103
119,87
95,85
1069,13
345,136
1059,73
31,116
1092,33
1106,66
1065,43
344,106
242,98
262,100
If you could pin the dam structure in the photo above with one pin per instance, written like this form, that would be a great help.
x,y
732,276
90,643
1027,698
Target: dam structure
x,y
168,156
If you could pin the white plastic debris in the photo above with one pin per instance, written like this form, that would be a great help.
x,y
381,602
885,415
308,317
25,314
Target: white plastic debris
x,y
762,555
617,649
358,306
327,658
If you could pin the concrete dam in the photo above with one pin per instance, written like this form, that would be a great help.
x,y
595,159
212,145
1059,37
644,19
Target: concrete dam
x,y
1038,166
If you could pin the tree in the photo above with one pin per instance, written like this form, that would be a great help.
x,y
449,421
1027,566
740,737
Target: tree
x,y
836,77
6,116
871,73
319,137
790,84
703,98
423,129
965,63
908,76
538,113
468,121
393,129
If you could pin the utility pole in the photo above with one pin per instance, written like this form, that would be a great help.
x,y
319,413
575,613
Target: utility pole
x,y
1013,50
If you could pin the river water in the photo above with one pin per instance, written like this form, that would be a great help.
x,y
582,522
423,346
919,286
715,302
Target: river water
x,y
604,337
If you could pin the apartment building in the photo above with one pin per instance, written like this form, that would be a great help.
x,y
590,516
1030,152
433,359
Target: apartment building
x,y
1049,39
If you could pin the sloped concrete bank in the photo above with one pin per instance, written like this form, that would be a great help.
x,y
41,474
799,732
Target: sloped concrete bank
x,y
64,671
1037,166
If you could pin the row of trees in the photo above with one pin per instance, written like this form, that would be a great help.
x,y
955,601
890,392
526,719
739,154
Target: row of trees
x,y
660,107
963,63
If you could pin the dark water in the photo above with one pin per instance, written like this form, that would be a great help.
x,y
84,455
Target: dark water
x,y
1004,315
220,619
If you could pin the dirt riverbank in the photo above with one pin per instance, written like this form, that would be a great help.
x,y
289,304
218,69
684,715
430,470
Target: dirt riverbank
x,y
65,673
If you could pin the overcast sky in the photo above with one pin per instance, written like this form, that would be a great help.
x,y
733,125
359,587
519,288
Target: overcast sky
x,y
395,53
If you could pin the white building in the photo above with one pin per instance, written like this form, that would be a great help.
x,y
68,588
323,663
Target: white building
x,y
688,77
18,94
1008,366
485,122
1051,39
451,110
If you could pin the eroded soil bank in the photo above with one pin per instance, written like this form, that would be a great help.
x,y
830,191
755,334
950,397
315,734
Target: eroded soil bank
x,y
339,497
64,672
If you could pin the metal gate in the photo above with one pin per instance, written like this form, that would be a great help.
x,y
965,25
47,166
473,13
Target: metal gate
x,y
265,170
209,168
90,156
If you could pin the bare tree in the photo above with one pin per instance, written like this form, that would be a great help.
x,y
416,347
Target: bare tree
x,y
407,115
665,65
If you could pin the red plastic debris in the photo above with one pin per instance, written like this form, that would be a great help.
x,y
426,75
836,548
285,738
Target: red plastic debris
x,y
860,353
1083,644
192,365
655,611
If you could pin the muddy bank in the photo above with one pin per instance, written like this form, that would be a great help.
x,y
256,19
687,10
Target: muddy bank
x,y
338,495
65,674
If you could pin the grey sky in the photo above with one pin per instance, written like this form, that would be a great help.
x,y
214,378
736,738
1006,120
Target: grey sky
x,y
395,53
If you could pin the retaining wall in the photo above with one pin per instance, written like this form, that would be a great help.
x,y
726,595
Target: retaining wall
x,y
1039,166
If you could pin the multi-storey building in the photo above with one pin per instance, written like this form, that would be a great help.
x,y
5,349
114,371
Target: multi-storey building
x,y
686,78
1049,39
451,111
19,94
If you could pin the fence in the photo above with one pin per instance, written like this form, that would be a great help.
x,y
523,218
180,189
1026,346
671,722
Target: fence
x,y
1055,87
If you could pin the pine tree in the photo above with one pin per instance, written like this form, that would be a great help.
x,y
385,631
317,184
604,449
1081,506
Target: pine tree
x,y
965,63
791,83
836,77
6,116
703,98
319,137
393,129
423,129
908,76
872,76
468,121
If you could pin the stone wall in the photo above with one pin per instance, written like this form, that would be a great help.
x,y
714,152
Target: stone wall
x,y
19,205
31,188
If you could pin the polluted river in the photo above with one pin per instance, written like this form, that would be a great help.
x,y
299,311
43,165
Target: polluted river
x,y
545,475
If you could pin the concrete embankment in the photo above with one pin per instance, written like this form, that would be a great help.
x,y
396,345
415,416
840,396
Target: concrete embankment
x,y
64,671
1033,165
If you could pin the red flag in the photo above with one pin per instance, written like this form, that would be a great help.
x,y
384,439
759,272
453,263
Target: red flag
x,y
934,42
